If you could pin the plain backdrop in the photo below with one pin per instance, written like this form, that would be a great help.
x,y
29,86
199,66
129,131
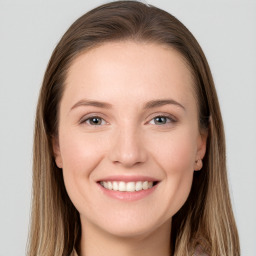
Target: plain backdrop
x,y
29,31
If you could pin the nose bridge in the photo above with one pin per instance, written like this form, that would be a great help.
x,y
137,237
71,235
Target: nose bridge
x,y
128,148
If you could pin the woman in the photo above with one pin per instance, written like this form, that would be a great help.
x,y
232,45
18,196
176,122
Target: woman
x,y
129,148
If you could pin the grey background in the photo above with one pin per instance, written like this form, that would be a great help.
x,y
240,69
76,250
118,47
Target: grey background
x,y
29,31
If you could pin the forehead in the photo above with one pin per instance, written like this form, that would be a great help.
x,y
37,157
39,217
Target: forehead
x,y
136,70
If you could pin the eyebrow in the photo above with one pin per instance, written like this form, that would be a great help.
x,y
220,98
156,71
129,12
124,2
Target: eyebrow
x,y
149,105
162,102
94,103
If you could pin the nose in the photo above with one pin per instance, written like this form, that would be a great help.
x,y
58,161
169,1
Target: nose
x,y
127,148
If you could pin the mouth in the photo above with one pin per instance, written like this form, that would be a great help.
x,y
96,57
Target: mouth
x,y
131,186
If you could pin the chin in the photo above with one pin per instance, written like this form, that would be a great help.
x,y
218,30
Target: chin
x,y
133,227
129,232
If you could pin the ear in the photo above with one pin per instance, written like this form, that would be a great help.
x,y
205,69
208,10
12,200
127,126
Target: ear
x,y
201,150
56,151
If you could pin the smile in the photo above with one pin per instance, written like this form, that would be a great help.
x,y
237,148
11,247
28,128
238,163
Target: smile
x,y
131,186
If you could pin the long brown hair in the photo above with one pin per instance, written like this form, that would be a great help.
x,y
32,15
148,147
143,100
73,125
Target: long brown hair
x,y
206,219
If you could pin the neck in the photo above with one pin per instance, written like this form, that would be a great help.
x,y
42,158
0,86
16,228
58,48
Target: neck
x,y
95,242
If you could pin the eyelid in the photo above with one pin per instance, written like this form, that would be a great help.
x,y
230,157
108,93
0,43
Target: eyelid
x,y
97,115
167,115
89,116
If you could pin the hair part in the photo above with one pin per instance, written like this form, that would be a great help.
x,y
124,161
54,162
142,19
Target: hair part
x,y
206,218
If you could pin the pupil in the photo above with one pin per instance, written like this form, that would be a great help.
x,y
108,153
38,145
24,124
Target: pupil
x,y
161,120
95,120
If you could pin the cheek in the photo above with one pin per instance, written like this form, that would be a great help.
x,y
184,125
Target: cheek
x,y
80,153
176,157
80,156
176,153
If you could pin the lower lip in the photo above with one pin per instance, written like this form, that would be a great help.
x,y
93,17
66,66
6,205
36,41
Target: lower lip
x,y
128,196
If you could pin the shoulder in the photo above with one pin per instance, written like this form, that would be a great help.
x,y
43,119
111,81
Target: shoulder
x,y
73,253
201,246
200,252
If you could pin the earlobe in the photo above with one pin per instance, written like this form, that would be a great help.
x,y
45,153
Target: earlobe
x,y
198,165
56,152
201,150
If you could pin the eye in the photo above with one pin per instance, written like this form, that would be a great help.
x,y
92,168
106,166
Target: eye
x,y
94,121
162,120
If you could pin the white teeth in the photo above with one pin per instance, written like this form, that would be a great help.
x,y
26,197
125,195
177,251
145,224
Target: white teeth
x,y
131,186
109,185
115,186
122,186
145,185
138,186
105,184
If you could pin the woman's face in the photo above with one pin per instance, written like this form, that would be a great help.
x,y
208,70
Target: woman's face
x,y
128,136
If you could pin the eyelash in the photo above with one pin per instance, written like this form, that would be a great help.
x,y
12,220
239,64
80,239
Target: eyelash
x,y
90,118
171,119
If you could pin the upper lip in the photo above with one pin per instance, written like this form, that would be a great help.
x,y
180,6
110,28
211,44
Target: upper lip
x,y
127,178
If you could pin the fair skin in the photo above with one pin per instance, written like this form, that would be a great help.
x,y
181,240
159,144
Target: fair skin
x,y
128,140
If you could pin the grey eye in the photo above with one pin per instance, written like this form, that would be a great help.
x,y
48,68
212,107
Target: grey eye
x,y
95,120
161,120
